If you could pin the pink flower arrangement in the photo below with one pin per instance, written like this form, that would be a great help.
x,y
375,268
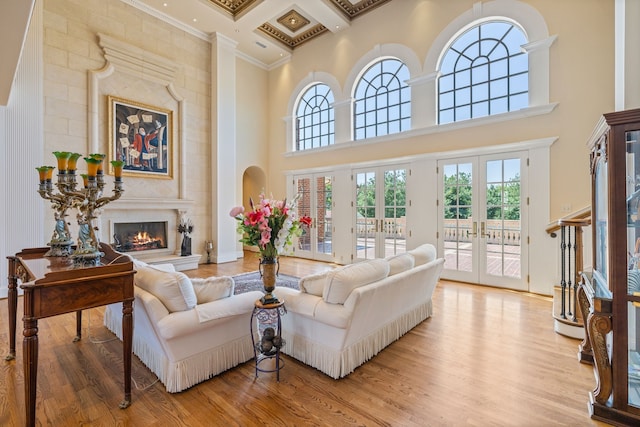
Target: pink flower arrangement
x,y
271,225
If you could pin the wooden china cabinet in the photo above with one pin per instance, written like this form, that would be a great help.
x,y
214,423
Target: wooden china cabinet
x,y
611,292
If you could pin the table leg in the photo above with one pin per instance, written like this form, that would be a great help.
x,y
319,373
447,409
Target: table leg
x,y
78,326
30,362
127,338
12,298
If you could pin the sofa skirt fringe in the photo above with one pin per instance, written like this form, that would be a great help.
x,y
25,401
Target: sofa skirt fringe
x,y
180,375
340,363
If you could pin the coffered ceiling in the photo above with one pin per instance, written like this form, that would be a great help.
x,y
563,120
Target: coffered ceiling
x,y
266,31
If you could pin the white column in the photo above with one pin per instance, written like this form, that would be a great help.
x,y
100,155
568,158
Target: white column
x,y
224,178
343,122
627,54
423,101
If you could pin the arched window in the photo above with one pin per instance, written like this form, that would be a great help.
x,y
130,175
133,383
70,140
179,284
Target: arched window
x,y
382,100
484,72
315,118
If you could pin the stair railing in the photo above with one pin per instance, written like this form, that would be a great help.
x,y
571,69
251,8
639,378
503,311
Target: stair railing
x,y
570,230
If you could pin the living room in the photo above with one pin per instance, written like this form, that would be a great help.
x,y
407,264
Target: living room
x,y
232,135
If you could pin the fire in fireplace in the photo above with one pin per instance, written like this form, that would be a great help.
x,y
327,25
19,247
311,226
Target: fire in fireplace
x,y
139,236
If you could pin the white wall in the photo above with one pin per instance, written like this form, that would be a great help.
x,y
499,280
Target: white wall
x,y
21,139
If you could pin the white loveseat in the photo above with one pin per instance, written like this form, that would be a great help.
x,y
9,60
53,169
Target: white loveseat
x,y
186,330
341,318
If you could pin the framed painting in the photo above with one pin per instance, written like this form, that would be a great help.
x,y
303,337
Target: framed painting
x,y
140,135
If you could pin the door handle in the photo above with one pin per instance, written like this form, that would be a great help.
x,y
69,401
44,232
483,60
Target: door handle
x,y
474,233
482,230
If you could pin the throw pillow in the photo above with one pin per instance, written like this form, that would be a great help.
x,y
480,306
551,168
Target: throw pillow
x,y
172,288
423,254
314,284
342,281
400,263
212,288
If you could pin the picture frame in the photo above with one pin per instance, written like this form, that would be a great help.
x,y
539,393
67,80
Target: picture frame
x,y
141,136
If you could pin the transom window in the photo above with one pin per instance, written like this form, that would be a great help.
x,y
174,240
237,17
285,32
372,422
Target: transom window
x,y
382,100
484,72
315,118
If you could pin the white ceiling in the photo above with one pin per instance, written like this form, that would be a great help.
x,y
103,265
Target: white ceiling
x,y
204,17
14,22
238,20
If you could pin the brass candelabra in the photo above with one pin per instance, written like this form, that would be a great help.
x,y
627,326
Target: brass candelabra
x,y
87,200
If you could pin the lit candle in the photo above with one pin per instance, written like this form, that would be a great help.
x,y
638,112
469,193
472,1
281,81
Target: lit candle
x,y
63,159
117,168
73,160
92,166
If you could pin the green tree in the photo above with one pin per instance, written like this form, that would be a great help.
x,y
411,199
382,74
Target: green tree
x,y
457,196
395,195
503,200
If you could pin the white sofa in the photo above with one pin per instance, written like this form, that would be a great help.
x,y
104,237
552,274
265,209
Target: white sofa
x,y
186,330
341,318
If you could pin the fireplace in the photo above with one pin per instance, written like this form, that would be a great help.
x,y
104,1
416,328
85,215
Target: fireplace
x,y
139,236
147,230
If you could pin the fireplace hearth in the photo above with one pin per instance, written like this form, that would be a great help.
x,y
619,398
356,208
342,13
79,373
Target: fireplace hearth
x,y
139,236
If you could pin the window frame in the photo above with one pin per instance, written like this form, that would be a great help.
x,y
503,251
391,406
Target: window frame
x,y
314,119
387,119
466,81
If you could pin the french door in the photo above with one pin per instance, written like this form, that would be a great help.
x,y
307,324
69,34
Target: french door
x,y
315,200
482,224
379,212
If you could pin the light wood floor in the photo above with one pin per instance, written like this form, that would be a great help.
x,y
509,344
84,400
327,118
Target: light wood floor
x,y
487,357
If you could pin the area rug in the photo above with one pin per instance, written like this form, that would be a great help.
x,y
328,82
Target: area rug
x,y
253,282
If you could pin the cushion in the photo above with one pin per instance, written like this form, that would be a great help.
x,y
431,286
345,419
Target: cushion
x,y
314,283
423,254
172,288
400,263
340,282
213,288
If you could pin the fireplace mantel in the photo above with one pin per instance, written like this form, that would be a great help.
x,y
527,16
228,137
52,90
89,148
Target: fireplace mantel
x,y
151,204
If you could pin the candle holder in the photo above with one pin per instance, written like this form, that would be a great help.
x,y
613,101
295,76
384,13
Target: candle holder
x,y
208,245
61,242
87,200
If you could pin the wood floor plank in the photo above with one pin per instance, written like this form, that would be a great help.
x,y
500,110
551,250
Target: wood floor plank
x,y
487,357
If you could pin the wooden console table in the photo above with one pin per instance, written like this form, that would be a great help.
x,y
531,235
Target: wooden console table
x,y
53,286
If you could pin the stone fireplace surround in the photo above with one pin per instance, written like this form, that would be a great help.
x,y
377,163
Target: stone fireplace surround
x,y
157,210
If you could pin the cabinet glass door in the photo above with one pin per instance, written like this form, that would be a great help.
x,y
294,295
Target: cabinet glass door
x,y
601,216
632,163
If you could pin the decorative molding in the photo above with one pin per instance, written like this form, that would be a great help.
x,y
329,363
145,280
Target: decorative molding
x,y
235,8
137,61
150,204
293,20
539,44
427,78
295,41
123,57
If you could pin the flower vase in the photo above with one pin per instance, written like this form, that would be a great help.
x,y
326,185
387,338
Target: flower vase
x,y
185,248
268,271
